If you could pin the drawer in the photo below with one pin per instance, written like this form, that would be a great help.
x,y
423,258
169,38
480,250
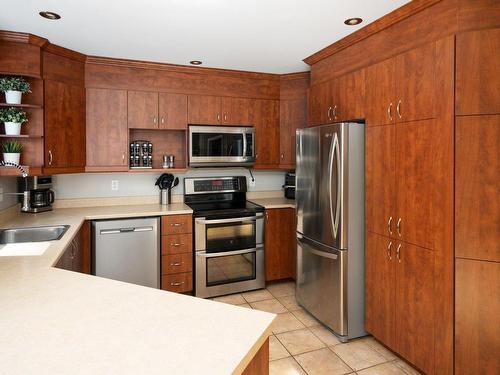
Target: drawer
x,y
179,283
176,244
176,224
176,263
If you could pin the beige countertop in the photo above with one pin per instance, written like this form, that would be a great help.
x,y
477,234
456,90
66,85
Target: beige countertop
x,y
279,202
54,321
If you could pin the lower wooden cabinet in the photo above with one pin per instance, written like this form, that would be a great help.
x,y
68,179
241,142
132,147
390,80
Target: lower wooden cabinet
x,y
280,243
177,253
477,317
399,298
76,257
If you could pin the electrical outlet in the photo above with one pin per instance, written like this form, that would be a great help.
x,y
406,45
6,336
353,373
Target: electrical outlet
x,y
251,182
115,185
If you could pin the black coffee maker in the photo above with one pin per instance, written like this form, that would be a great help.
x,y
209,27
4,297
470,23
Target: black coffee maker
x,y
38,192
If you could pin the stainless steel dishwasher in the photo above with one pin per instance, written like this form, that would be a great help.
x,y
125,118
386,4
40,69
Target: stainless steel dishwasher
x,y
127,250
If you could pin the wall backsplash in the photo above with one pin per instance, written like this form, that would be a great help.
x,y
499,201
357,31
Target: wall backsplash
x,y
94,185
9,185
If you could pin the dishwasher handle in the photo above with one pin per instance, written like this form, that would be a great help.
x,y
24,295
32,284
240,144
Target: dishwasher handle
x,y
126,230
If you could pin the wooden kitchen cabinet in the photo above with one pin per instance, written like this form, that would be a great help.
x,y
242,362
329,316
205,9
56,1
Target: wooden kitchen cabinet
x,y
142,110
293,115
204,110
477,323
64,130
237,111
107,140
267,134
349,96
477,176
172,112
477,72
76,257
380,108
280,243
321,103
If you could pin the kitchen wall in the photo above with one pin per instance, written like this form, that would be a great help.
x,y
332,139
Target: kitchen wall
x,y
8,185
93,185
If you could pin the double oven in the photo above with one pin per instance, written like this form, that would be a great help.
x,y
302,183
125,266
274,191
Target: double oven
x,y
228,236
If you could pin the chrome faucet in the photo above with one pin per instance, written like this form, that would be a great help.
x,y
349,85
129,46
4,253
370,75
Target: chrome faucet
x,y
26,193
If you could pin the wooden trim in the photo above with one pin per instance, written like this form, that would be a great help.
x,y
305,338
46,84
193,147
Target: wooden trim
x,y
17,37
380,24
295,76
259,365
105,169
65,52
126,63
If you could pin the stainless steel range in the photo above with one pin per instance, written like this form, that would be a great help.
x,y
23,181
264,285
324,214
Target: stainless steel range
x,y
228,236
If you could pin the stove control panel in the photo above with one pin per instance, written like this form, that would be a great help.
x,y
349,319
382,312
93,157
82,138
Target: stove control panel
x,y
215,185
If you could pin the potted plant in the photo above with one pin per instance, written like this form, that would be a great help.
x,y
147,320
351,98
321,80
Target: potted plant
x,y
13,118
14,88
12,151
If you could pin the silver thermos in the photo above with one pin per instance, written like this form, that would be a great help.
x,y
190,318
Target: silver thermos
x,y
165,196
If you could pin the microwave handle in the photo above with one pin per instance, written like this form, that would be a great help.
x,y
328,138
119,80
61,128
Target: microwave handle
x,y
228,253
232,220
244,145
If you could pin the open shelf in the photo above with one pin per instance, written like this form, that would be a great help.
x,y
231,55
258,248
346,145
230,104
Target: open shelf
x,y
159,170
21,105
13,171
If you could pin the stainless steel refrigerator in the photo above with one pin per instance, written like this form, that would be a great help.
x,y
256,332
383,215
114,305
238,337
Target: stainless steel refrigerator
x,y
330,226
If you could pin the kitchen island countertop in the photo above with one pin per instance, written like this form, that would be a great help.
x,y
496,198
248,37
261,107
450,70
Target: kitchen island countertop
x,y
280,202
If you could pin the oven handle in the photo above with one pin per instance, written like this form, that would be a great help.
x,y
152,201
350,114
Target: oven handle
x,y
232,220
228,253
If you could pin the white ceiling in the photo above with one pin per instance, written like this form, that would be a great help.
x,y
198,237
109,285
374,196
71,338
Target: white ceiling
x,y
256,35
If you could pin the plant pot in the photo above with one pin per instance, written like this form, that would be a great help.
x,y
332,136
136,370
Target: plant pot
x,y
13,97
9,157
12,128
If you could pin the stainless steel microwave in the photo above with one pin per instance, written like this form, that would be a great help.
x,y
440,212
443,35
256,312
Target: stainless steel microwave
x,y
218,146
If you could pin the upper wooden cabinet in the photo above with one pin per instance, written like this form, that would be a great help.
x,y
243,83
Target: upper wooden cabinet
x,y
280,243
172,112
478,72
266,119
293,115
402,88
152,110
107,135
318,108
216,110
142,110
20,59
477,187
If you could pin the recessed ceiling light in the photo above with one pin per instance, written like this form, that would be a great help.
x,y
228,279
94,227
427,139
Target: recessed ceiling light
x,y
353,21
195,62
50,15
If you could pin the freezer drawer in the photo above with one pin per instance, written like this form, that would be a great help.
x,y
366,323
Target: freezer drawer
x,y
322,283
127,250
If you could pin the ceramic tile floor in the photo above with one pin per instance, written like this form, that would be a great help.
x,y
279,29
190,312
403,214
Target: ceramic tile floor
x,y
300,345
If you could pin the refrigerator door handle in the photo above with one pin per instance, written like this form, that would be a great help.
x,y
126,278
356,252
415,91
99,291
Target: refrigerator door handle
x,y
335,151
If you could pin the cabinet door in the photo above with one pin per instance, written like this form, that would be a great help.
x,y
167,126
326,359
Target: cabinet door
x,y
172,111
267,133
477,323
380,178
142,110
416,84
319,104
380,105
107,130
280,245
380,258
414,319
64,130
350,95
204,110
477,187
478,72
293,115
237,111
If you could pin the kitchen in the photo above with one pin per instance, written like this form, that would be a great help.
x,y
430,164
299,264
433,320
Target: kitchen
x,y
371,148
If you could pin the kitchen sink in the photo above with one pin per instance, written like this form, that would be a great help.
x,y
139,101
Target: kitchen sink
x,y
32,234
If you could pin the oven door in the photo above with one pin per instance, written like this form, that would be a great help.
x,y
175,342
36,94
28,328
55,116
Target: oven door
x,y
229,272
221,145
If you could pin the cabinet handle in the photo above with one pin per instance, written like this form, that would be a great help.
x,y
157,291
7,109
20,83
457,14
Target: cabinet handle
x,y
335,112
162,120
154,119
177,284
389,251
389,225
398,226
398,109
282,156
389,111
50,157
225,117
176,224
398,253
267,215
177,264
328,113
123,157
175,244
218,117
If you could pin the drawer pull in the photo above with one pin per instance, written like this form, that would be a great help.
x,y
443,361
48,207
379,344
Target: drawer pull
x,y
177,264
177,284
175,244
176,224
